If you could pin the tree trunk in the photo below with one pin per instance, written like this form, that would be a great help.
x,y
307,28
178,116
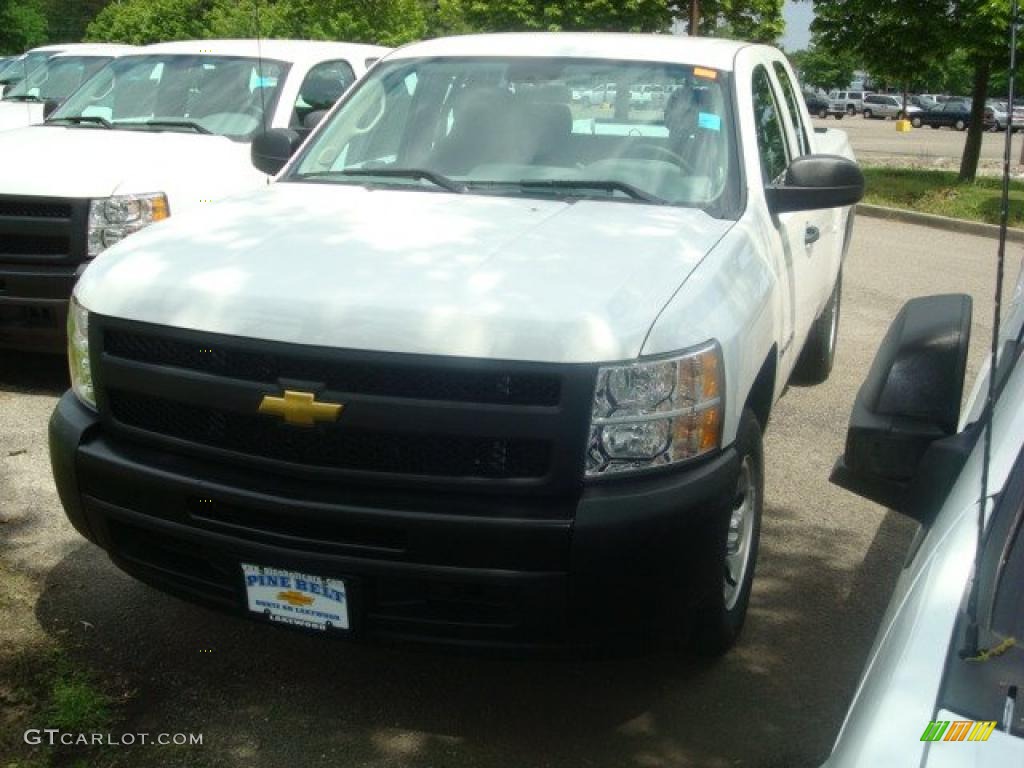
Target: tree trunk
x,y
694,29
972,147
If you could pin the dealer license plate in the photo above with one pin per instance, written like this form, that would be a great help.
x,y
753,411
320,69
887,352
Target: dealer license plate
x,y
296,598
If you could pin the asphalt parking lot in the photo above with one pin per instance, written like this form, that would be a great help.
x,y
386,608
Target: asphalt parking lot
x,y
877,142
267,697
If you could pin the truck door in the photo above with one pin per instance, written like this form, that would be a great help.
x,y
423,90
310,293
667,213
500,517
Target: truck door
x,y
793,232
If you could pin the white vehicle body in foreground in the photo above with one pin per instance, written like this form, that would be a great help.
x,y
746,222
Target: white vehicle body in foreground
x,y
524,236
163,130
28,110
904,684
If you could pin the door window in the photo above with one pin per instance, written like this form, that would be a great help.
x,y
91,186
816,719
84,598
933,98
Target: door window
x,y
789,93
771,137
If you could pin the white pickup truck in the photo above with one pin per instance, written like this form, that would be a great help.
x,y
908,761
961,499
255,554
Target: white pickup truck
x,y
472,371
53,81
155,133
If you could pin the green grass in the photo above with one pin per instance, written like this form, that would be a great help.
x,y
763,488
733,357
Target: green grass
x,y
76,703
939,192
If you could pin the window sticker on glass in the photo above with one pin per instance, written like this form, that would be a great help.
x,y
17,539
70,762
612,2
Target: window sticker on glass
x,y
709,122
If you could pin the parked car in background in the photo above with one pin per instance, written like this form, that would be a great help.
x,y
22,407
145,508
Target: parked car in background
x,y
884,106
509,450
53,81
953,114
923,101
816,105
152,134
942,688
648,95
602,94
850,102
997,115
20,67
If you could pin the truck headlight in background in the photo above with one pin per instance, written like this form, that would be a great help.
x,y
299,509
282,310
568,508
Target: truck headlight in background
x,y
111,219
78,353
657,413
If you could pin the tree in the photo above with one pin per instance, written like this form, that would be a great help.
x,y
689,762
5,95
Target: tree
x,y
757,20
570,15
23,25
823,69
141,22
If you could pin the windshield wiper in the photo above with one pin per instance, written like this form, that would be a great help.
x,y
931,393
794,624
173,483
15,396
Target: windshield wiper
x,y
418,174
79,119
604,184
188,124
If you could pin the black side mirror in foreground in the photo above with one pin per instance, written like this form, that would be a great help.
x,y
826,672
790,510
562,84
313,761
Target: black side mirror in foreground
x,y
817,181
50,106
904,422
273,148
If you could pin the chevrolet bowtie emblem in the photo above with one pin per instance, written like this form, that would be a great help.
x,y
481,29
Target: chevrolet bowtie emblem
x,y
300,408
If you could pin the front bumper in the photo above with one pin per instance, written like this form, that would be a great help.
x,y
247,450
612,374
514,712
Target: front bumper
x,y
34,306
502,575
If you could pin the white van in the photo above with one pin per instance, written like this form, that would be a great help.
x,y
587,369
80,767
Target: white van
x,y
49,84
152,134
16,69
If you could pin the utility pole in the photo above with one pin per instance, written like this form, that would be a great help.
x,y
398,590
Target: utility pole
x,y
694,30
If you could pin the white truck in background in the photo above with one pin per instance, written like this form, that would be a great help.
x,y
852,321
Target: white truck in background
x,y
158,132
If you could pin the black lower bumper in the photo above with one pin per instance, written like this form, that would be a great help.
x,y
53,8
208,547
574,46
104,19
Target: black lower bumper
x,y
34,306
608,569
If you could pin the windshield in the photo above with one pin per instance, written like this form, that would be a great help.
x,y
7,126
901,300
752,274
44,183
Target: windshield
x,y
57,78
24,65
646,132
222,95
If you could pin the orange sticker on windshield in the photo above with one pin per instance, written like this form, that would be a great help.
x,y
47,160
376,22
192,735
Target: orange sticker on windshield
x,y
710,74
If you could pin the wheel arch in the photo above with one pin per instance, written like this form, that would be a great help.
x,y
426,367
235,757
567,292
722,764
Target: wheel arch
x,y
761,397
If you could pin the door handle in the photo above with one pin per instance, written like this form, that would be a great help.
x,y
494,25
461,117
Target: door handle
x,y
811,234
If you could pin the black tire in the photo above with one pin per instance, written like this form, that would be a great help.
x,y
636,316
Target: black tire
x,y
851,110
934,127
718,619
960,125
867,114
819,352
840,115
823,113
994,128
916,122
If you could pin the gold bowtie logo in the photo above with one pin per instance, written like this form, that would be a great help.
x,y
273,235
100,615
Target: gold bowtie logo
x,y
300,408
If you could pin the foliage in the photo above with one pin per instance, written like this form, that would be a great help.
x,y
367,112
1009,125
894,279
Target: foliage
x,y
388,22
822,69
757,20
141,22
570,15
941,192
23,25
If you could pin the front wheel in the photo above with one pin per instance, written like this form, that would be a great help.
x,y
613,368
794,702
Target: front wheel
x,y
727,545
867,114
823,113
916,122
819,352
960,125
851,110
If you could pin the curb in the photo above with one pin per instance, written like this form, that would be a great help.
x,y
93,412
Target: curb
x,y
1013,235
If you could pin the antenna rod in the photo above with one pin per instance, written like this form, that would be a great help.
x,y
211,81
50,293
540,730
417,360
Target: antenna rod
x,y
970,648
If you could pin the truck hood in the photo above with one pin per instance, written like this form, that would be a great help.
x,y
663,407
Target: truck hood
x,y
18,114
61,161
410,271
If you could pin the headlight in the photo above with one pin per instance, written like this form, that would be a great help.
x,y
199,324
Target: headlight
x,y
78,353
652,414
112,219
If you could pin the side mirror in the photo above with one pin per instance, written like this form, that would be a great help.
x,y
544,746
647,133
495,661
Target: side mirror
x,y
312,120
273,148
817,181
908,404
50,106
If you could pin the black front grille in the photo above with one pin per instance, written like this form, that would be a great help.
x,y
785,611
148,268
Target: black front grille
x,y
35,245
43,229
27,208
331,446
405,380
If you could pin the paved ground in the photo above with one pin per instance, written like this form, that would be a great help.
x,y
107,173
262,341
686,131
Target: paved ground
x,y
265,697
877,142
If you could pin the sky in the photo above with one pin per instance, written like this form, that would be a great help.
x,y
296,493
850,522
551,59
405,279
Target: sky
x,y
798,18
